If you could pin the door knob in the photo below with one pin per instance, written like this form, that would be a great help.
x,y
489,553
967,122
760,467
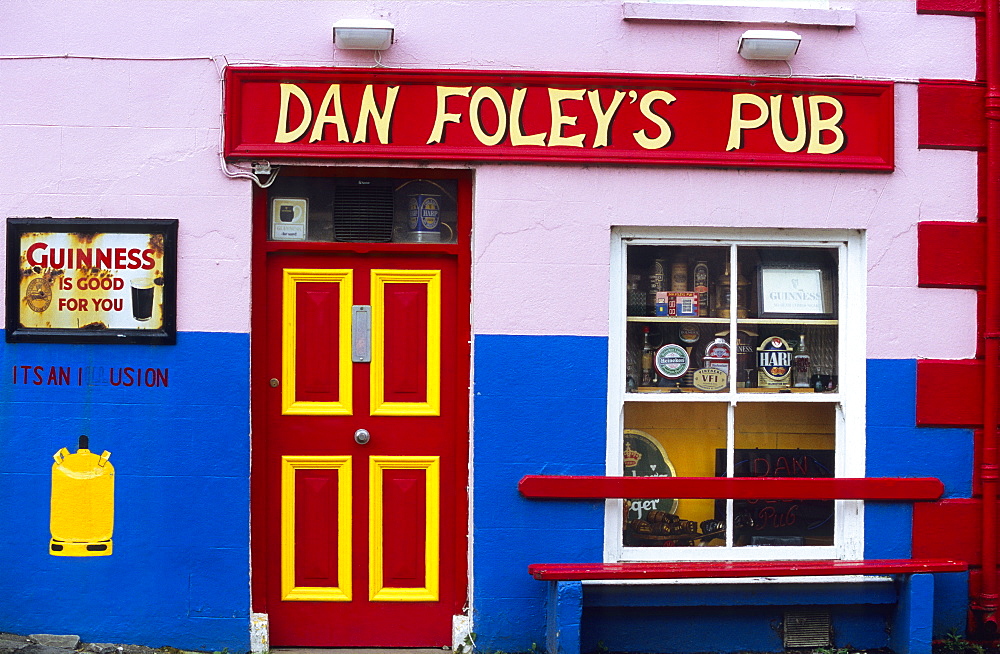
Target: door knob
x,y
362,436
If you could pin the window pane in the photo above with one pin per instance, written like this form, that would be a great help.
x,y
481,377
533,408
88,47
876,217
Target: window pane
x,y
783,440
672,439
788,332
677,303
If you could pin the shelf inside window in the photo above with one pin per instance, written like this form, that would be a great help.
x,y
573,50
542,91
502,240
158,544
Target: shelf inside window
x,y
740,321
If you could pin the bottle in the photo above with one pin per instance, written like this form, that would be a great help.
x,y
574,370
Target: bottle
x,y
801,365
701,287
679,275
724,288
636,298
657,280
647,359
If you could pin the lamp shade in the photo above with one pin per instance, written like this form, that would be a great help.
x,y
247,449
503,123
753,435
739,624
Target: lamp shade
x,y
363,34
774,45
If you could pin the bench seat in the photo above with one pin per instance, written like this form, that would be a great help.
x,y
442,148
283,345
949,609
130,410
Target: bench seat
x,y
736,569
911,591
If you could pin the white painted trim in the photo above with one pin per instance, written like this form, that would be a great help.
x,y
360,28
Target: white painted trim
x,y
719,13
849,402
461,633
259,633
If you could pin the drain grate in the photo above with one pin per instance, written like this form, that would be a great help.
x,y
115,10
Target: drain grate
x,y
807,628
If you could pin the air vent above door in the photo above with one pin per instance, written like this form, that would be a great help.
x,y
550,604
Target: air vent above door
x,y
363,210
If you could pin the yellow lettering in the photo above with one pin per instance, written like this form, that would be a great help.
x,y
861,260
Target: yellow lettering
x,y
284,135
666,133
442,116
603,117
493,96
382,120
323,118
799,142
559,120
737,123
819,125
517,135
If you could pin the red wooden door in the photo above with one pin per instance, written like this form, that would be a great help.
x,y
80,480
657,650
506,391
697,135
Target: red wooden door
x,y
364,542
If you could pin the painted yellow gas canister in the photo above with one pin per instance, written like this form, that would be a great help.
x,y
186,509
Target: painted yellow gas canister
x,y
82,516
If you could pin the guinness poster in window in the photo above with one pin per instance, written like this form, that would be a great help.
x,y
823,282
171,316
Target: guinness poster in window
x,y
84,280
779,522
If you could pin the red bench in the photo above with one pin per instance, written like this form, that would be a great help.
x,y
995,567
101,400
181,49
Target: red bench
x,y
912,593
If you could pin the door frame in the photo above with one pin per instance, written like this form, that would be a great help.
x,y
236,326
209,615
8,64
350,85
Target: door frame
x,y
259,374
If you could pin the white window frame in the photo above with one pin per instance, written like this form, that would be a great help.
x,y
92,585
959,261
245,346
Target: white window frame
x,y
849,400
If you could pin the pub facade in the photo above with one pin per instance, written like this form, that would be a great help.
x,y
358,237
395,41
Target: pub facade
x,y
319,341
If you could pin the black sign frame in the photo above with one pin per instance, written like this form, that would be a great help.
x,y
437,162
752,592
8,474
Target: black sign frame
x,y
166,334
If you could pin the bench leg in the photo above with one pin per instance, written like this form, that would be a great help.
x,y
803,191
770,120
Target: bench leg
x,y
564,610
914,618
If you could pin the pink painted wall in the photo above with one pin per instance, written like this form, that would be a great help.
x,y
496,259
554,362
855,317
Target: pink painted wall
x,y
115,130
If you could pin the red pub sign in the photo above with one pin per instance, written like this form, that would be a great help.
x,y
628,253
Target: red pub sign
x,y
327,113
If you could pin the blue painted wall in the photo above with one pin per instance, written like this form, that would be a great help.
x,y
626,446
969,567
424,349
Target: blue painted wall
x,y
179,574
540,408
898,448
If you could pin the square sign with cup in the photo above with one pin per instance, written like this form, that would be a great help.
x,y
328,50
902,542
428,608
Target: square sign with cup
x,y
289,219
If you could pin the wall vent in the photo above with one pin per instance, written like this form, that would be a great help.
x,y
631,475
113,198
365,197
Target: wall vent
x,y
807,628
363,211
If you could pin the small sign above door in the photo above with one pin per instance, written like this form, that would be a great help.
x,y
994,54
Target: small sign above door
x,y
289,219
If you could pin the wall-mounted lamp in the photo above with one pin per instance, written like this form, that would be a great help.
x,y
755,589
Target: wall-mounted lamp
x,y
363,34
775,45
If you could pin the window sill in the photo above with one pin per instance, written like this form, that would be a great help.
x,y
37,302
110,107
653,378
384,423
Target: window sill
x,y
668,11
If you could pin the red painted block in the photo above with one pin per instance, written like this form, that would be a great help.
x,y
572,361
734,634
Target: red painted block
x,y
951,254
951,115
982,170
950,393
951,7
948,529
981,56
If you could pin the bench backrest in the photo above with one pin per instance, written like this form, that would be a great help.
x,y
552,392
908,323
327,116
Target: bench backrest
x,y
737,488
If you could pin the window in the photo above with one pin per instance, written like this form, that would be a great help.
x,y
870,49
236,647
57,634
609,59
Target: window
x,y
362,209
736,353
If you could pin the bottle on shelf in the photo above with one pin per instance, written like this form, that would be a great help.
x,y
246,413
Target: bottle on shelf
x,y
636,296
723,290
700,287
801,365
679,275
657,281
647,359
